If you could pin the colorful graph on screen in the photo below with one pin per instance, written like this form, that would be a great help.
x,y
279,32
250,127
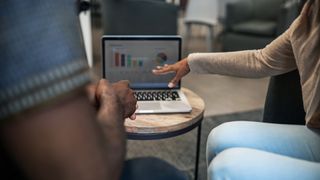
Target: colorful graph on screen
x,y
134,61
129,61
161,58
126,60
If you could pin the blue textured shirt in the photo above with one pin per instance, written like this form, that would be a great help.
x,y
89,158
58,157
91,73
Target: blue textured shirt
x,y
41,53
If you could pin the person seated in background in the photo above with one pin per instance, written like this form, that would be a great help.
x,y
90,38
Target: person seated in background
x,y
255,150
49,128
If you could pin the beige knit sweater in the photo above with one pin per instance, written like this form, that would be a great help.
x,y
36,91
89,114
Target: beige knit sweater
x,y
297,48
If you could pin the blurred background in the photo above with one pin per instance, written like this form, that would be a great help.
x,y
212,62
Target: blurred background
x,y
205,26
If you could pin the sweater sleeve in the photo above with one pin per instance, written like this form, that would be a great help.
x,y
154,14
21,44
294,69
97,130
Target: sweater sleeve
x,y
276,58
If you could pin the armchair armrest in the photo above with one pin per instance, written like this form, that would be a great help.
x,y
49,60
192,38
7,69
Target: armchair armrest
x,y
237,12
288,12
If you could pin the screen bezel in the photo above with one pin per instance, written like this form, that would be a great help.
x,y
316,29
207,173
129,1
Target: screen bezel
x,y
140,38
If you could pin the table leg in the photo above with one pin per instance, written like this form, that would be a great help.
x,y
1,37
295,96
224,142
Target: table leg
x,y
197,152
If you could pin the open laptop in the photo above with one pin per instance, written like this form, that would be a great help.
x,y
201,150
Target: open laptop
x,y
133,58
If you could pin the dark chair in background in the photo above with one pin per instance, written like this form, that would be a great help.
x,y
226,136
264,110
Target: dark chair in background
x,y
252,24
139,17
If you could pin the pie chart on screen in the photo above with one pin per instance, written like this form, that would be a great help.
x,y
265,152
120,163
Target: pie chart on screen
x,y
161,58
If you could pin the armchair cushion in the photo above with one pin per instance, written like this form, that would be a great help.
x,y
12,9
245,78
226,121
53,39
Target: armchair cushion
x,y
237,12
267,9
256,27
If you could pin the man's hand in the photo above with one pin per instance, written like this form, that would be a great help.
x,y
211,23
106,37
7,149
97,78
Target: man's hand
x,y
118,94
126,97
181,69
114,102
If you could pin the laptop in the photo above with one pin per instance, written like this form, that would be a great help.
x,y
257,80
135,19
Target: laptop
x,y
133,58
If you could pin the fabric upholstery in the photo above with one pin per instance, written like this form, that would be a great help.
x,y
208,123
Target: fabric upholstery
x,y
251,21
256,27
267,9
42,53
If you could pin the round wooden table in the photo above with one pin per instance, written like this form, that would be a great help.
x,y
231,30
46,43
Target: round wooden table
x,y
159,126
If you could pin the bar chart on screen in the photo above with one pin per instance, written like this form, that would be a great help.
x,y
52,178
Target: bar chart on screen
x,y
122,59
127,60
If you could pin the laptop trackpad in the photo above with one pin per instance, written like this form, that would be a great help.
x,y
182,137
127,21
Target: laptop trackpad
x,y
149,106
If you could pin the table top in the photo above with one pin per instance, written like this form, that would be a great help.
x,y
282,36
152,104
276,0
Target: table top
x,y
157,124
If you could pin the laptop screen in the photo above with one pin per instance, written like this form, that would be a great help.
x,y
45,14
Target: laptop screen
x,y
133,58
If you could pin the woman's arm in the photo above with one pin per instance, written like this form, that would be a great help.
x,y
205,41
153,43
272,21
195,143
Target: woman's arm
x,y
276,58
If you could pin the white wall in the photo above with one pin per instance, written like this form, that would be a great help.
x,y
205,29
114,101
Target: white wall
x,y
85,21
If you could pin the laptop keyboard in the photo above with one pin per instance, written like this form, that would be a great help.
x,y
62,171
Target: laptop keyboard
x,y
162,95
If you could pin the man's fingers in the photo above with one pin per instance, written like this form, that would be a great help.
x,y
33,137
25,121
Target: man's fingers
x,y
91,90
130,108
126,97
133,116
103,82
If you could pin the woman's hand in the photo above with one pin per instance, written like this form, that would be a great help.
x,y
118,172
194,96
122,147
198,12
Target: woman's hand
x,y
181,69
